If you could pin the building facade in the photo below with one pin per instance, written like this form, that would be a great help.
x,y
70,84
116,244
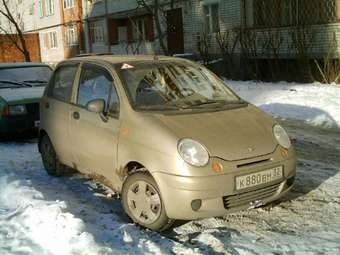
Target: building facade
x,y
57,22
255,28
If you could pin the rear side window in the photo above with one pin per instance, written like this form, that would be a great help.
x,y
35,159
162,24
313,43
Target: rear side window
x,y
96,83
62,82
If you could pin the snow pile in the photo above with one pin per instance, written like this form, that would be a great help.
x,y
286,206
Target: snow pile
x,y
41,215
316,104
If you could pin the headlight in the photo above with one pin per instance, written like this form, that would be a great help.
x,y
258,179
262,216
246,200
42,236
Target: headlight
x,y
17,109
281,136
193,152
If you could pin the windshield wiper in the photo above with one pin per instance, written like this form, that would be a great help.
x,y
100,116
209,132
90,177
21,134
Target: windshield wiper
x,y
17,83
35,81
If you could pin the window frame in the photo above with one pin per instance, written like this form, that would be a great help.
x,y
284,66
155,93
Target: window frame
x,y
209,16
49,7
139,29
69,4
51,85
96,29
91,65
75,39
51,36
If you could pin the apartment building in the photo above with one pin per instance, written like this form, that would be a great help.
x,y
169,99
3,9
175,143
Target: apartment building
x,y
58,24
70,27
124,26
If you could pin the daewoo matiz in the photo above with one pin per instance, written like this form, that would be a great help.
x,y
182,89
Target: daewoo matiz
x,y
166,134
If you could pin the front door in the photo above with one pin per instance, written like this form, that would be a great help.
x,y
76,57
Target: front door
x,y
95,136
175,31
58,103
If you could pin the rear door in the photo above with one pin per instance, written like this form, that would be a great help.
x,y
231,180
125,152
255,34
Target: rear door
x,y
55,110
95,136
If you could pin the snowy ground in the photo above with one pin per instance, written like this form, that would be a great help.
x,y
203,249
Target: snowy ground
x,y
72,215
315,104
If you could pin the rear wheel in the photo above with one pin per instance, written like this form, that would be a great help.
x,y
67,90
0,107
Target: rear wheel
x,y
142,201
49,157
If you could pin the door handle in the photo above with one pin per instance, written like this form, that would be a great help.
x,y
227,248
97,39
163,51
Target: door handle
x,y
47,105
76,115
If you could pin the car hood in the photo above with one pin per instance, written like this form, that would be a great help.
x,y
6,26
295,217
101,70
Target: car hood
x,y
16,95
234,134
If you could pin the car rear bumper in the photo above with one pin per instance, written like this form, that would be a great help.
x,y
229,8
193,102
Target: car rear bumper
x,y
216,194
21,123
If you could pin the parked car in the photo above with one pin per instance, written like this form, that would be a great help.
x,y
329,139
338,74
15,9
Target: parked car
x,y
21,87
165,133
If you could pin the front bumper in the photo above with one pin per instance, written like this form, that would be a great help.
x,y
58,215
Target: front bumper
x,y
217,193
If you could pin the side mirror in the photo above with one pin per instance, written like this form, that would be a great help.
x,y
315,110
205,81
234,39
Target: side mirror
x,y
96,106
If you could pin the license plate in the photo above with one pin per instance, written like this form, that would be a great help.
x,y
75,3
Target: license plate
x,y
258,178
37,123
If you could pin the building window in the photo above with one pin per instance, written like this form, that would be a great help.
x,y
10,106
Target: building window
x,y
139,29
41,9
68,4
31,9
211,18
49,4
46,8
97,32
72,35
51,40
276,13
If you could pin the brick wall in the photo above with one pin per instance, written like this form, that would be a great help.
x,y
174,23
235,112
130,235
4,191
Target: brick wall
x,y
9,53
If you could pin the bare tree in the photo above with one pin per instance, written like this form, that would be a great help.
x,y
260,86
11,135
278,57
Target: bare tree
x,y
158,12
227,42
14,29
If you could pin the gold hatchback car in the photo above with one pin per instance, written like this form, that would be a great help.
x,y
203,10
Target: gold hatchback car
x,y
166,134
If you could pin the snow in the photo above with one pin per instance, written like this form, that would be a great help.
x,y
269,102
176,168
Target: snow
x,y
316,104
40,214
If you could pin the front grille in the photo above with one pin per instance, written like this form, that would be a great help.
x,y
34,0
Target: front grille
x,y
33,111
253,163
250,196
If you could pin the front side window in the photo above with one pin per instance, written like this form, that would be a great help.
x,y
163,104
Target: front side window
x,y
97,83
211,18
173,86
62,82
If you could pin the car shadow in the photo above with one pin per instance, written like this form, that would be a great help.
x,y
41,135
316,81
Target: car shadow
x,y
318,158
315,116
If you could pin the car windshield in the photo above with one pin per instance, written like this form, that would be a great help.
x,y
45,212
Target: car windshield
x,y
174,85
24,76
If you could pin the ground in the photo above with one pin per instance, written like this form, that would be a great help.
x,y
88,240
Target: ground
x,y
40,214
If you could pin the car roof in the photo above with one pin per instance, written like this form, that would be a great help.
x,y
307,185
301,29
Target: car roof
x,y
116,59
21,64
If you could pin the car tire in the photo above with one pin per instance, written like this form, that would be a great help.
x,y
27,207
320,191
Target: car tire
x,y
49,157
142,202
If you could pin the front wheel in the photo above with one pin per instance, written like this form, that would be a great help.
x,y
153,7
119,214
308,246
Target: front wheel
x,y
143,203
49,157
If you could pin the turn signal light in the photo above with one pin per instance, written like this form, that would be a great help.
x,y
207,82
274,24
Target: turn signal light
x,y
284,152
4,111
217,167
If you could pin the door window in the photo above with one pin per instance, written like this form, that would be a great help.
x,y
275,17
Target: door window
x,y
97,83
63,82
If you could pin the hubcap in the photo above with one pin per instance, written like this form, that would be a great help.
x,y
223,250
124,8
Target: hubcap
x,y
144,202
